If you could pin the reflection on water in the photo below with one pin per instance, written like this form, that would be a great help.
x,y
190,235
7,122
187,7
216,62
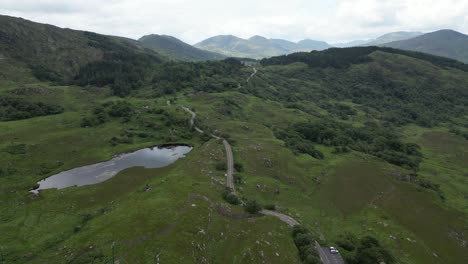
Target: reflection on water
x,y
91,174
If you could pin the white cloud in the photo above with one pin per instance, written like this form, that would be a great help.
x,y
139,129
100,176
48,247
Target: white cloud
x,y
193,21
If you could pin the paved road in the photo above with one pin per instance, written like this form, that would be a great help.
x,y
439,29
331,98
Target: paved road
x,y
285,218
229,156
327,257
230,166
253,74
192,120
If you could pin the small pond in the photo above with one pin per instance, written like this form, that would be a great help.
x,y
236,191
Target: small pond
x,y
155,157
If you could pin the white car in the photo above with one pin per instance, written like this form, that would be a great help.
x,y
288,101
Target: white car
x,y
334,250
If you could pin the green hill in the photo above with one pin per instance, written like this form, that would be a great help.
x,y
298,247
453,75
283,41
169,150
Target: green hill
x,y
176,49
59,54
445,43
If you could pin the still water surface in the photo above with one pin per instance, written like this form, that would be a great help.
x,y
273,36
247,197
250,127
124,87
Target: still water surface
x,y
155,157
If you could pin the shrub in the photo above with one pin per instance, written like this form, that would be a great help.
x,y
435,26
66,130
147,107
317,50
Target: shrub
x,y
221,166
238,166
230,197
366,250
252,207
238,178
347,241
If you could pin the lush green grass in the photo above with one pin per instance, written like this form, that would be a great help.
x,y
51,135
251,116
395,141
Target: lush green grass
x,y
183,218
346,192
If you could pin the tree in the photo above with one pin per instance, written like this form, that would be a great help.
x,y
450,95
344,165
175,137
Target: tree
x,y
253,207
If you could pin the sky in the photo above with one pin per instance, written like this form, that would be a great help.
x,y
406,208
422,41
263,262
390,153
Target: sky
x,y
192,21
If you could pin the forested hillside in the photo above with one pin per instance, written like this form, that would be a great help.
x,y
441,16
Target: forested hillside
x,y
56,54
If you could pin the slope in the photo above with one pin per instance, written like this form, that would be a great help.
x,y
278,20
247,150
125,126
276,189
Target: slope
x,y
446,43
391,37
176,49
58,54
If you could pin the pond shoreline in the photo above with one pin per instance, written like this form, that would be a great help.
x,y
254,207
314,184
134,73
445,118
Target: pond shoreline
x,y
155,156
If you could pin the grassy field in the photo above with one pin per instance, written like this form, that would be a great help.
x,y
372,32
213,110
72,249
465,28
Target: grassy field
x,y
346,192
176,214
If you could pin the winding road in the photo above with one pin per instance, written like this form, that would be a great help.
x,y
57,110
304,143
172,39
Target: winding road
x,y
252,75
285,218
229,156
230,166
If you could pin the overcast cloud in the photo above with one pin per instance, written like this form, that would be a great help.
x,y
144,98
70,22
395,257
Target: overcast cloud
x,y
193,21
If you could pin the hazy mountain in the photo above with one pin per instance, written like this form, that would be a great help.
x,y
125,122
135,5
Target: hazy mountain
x,y
309,44
59,53
176,49
257,47
446,43
354,43
391,37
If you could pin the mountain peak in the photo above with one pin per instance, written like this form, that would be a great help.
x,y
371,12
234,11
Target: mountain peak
x,y
175,48
257,38
446,43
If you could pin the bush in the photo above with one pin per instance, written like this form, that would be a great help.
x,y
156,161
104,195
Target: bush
x,y
205,137
366,250
348,242
238,167
373,139
230,197
221,166
298,229
305,243
253,207
304,239
271,207
17,109
238,178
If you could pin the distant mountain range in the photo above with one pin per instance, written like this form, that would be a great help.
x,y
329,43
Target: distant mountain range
x,y
176,49
77,48
390,37
445,43
257,47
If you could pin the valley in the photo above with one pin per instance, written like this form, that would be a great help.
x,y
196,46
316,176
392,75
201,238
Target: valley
x,y
362,148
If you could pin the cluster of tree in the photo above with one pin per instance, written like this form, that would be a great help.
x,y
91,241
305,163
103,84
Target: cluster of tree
x,y
334,57
373,139
17,108
43,73
210,76
305,243
339,110
103,113
296,142
344,57
123,72
366,250
399,95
